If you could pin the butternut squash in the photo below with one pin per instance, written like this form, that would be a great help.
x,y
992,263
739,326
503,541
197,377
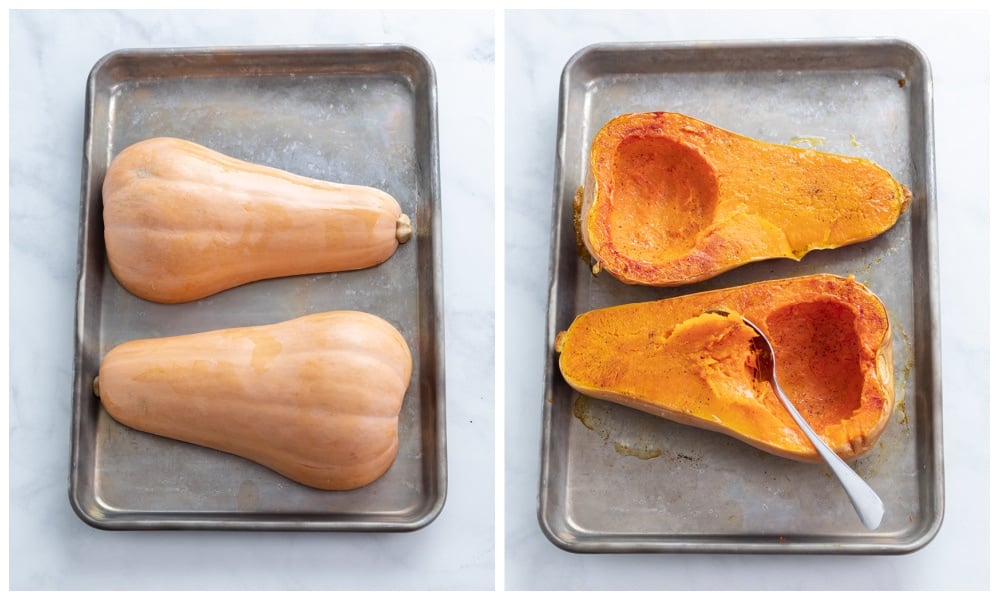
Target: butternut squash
x,y
669,358
182,222
670,200
316,398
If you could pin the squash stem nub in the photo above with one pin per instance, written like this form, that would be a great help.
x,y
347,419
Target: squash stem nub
x,y
403,229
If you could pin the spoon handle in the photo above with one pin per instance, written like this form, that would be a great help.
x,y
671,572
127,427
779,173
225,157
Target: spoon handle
x,y
866,502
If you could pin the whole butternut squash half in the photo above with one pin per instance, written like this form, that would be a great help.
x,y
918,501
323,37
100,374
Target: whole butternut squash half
x,y
182,222
316,398
671,200
669,358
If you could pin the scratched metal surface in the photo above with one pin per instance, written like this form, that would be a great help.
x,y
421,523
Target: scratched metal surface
x,y
364,115
617,480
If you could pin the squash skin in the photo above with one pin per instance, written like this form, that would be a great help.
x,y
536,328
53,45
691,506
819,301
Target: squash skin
x,y
670,200
833,345
183,222
316,398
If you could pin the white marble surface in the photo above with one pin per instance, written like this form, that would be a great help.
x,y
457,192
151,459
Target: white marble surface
x,y
538,44
51,54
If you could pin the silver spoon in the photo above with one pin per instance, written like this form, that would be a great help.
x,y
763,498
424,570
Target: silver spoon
x,y
866,502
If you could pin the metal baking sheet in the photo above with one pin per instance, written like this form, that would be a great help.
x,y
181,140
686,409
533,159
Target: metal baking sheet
x,y
617,480
350,114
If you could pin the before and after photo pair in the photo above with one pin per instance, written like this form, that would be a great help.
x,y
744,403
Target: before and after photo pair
x,y
498,300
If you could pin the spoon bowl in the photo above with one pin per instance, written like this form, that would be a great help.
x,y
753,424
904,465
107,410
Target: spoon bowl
x,y
866,502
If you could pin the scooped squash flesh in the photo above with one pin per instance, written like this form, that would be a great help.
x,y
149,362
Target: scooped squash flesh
x,y
670,200
670,358
316,398
182,222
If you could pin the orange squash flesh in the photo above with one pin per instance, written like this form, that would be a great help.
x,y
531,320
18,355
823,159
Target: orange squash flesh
x,y
670,358
316,398
670,200
183,222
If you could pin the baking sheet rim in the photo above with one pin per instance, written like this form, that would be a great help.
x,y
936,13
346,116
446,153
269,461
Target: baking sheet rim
x,y
669,543
433,504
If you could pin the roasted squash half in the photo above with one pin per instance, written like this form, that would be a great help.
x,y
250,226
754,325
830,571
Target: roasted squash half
x,y
316,398
670,200
833,350
182,222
